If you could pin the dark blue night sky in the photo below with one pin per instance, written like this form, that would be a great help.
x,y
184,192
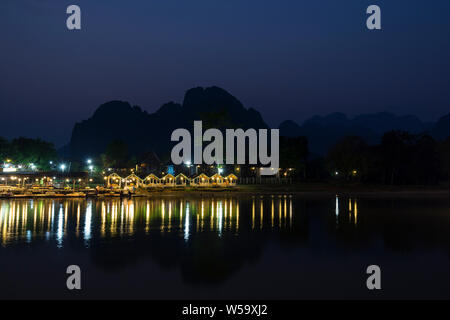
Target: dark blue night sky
x,y
289,59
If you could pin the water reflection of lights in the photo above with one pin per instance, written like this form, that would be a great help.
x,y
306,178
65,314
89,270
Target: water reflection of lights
x,y
103,225
279,213
78,221
353,211
290,213
186,223
272,213
336,210
219,216
163,211
59,232
212,216
253,213
170,216
88,222
261,218
147,218
337,206
85,219
237,216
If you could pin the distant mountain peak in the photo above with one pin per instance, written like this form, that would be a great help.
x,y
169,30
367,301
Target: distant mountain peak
x,y
144,132
201,99
323,131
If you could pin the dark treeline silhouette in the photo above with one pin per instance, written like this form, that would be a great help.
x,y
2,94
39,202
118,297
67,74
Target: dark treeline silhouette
x,y
293,154
30,152
400,158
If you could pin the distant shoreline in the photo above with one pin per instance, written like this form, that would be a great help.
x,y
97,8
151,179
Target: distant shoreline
x,y
302,189
314,190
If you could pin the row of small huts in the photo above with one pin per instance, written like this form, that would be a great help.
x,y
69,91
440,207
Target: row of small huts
x,y
169,180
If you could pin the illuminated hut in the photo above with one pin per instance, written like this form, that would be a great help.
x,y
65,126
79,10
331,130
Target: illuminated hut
x,y
133,181
168,180
231,180
217,180
113,180
181,180
152,181
201,180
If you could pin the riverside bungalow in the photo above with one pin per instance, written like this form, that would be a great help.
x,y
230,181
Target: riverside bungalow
x,y
133,181
201,180
231,180
217,180
114,180
168,180
152,181
181,180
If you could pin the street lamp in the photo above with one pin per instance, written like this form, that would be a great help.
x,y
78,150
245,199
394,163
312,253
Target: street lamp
x,y
62,167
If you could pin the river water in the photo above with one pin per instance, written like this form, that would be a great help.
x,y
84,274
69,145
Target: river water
x,y
231,247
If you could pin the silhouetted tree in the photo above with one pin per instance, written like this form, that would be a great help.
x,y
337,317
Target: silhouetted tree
x,y
444,155
349,158
293,154
316,169
26,151
116,154
409,158
4,149
396,149
425,163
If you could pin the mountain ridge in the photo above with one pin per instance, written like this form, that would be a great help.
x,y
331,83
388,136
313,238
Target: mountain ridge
x,y
144,131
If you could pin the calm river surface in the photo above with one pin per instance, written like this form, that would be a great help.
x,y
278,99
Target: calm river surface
x,y
274,247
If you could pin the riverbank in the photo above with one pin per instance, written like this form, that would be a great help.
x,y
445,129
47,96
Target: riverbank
x,y
312,189
307,189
